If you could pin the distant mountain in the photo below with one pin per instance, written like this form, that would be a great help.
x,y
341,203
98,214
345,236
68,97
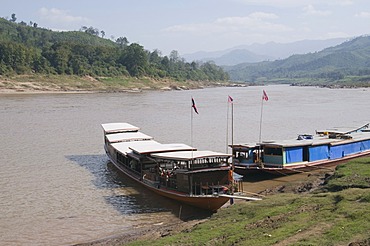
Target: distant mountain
x,y
238,56
351,58
262,52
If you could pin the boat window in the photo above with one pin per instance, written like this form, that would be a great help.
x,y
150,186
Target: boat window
x,y
242,156
273,151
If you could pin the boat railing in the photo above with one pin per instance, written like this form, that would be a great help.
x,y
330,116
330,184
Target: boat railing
x,y
168,182
209,188
150,182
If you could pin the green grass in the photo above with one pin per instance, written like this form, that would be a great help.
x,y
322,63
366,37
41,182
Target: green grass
x,y
326,217
356,174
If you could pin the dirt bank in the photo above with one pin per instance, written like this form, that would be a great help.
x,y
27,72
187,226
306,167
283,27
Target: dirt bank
x,y
75,84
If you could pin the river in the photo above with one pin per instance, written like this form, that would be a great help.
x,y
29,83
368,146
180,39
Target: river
x,y
58,188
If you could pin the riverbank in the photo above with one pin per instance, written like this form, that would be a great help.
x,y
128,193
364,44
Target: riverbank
x,y
323,208
87,84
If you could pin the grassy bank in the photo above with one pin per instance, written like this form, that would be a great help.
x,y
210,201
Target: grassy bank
x,y
71,83
338,213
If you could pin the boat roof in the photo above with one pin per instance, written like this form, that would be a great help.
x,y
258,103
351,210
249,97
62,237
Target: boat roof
x,y
189,155
127,137
356,136
343,130
124,147
158,147
119,127
318,140
244,146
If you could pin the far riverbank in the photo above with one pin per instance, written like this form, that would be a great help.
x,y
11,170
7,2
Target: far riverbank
x,y
87,84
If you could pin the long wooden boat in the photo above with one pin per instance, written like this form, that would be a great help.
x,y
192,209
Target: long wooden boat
x,y
176,171
305,153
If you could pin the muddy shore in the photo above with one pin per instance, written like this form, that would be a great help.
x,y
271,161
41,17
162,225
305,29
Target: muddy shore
x,y
263,185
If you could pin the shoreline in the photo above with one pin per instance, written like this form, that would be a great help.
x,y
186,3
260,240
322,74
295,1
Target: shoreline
x,y
52,84
70,84
293,184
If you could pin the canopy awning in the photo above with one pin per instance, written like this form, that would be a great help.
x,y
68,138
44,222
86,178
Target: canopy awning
x,y
119,127
127,137
189,155
124,147
158,148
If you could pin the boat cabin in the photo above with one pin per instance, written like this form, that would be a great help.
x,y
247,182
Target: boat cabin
x,y
317,148
194,172
244,154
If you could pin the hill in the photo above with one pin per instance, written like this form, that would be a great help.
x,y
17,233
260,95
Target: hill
x,y
262,52
345,63
30,49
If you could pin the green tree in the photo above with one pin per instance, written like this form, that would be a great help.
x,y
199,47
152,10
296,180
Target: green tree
x,y
134,58
122,42
13,18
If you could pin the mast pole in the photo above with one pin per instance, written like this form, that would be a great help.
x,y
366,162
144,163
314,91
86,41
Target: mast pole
x,y
260,135
227,129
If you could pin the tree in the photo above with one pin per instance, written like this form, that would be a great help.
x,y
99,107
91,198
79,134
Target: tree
x,y
102,33
174,56
93,31
155,57
13,19
83,29
122,41
135,59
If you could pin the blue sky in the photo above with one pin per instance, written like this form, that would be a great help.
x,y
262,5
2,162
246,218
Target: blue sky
x,y
199,25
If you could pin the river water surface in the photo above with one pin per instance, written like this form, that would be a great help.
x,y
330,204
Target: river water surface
x,y
58,188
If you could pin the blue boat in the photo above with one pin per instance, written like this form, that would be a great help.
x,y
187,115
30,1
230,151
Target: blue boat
x,y
305,153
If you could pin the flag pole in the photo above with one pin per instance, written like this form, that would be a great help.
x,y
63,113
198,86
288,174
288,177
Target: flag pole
x,y
232,125
191,128
227,128
193,107
264,98
259,139
260,136
230,100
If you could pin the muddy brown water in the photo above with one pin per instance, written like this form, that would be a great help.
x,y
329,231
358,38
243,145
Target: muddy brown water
x,y
58,188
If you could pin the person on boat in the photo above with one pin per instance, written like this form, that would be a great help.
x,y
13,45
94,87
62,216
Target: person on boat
x,y
230,175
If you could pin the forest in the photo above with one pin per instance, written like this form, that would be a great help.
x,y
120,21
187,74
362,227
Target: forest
x,y
26,48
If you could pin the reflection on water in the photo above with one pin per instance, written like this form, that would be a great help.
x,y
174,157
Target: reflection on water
x,y
58,188
127,196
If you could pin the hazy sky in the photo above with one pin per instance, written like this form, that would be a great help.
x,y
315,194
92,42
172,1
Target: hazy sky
x,y
199,25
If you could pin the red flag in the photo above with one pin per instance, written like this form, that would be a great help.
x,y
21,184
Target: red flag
x,y
264,96
193,106
230,99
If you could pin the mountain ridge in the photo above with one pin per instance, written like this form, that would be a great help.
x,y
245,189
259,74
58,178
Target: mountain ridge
x,y
257,52
348,60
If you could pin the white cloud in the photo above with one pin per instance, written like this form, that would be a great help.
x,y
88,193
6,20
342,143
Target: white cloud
x,y
365,15
343,2
310,10
275,3
257,21
295,3
60,16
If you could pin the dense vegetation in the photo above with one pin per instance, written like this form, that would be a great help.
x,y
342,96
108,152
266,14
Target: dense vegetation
x,y
336,214
29,49
345,63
